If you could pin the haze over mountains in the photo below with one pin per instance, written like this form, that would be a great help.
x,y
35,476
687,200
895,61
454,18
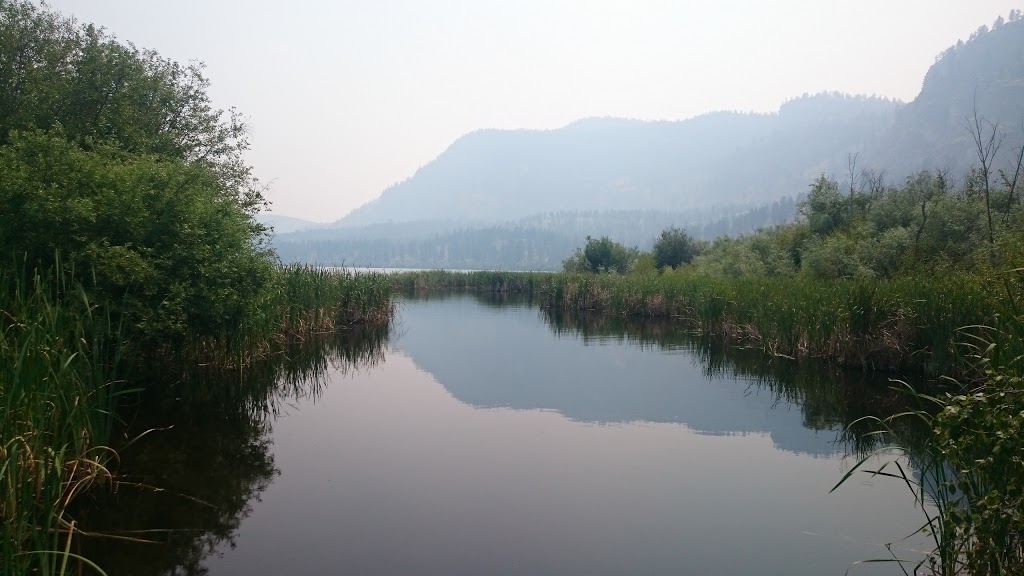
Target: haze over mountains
x,y
615,164
713,168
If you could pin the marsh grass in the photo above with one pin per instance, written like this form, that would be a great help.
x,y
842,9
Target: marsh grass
x,y
65,363
59,366
218,422
902,324
971,470
491,281
304,303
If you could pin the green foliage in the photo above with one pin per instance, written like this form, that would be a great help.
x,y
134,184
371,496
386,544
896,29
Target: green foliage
x,y
165,242
674,247
127,241
825,208
79,78
60,359
971,470
836,256
771,252
114,158
601,255
905,324
981,434
644,264
732,258
923,226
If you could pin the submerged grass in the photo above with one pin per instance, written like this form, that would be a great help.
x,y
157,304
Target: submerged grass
x,y
63,366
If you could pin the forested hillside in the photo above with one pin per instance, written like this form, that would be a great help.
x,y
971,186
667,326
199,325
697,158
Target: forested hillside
x,y
538,242
984,73
613,164
487,200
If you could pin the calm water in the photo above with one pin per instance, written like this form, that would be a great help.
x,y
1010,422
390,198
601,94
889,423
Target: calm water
x,y
494,439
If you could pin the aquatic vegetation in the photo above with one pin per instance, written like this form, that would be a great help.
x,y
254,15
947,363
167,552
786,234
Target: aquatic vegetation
x,y
904,323
65,361
971,469
59,381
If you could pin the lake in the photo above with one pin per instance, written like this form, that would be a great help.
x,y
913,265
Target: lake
x,y
490,437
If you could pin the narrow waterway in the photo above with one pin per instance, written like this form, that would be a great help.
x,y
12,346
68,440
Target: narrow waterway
x,y
489,438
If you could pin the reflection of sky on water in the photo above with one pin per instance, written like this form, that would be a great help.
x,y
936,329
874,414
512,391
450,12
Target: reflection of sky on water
x,y
484,443
508,358
388,474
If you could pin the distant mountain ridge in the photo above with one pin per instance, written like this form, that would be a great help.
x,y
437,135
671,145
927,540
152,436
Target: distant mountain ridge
x,y
985,73
539,242
492,176
525,199
601,164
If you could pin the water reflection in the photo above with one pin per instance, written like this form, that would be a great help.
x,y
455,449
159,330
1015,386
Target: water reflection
x,y
829,397
186,485
499,439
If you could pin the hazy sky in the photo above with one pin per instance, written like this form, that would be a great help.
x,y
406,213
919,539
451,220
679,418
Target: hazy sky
x,y
346,98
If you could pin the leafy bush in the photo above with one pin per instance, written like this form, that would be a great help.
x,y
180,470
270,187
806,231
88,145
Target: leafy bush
x,y
924,225
601,255
116,168
674,247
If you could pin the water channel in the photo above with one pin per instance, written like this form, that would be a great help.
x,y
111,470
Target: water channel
x,y
490,437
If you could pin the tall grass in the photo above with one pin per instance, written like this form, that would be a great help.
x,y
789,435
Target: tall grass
x,y
972,468
189,484
303,303
63,362
492,281
59,363
311,299
904,324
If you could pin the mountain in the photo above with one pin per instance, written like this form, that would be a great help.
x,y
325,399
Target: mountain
x,y
538,242
610,164
615,164
525,198
986,74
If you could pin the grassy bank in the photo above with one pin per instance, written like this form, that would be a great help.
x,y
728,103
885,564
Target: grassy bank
x,y
970,470
65,361
901,324
301,302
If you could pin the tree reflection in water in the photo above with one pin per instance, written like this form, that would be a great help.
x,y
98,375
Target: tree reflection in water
x,y
829,397
185,486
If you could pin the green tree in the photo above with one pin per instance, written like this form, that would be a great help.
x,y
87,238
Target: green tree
x,y
826,208
156,237
116,165
674,247
601,255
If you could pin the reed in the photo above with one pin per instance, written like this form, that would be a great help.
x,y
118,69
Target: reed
x,y
303,303
830,398
59,364
906,324
64,363
492,281
970,471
